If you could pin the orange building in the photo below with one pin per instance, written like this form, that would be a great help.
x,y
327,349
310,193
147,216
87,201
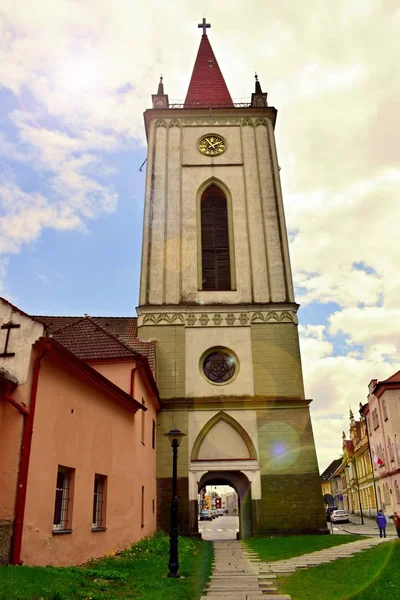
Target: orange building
x,y
77,439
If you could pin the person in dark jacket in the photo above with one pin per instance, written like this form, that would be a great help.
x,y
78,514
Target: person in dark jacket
x,y
381,522
396,521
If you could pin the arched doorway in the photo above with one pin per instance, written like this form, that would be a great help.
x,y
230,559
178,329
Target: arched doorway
x,y
242,486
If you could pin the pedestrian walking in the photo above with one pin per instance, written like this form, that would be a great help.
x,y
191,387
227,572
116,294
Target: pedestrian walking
x,y
396,521
381,522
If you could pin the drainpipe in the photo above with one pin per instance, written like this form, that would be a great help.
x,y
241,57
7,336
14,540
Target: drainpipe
x,y
22,409
24,466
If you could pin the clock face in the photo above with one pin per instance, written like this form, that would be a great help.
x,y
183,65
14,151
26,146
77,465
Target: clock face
x,y
211,144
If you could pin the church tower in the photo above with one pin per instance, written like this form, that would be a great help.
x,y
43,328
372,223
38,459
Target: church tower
x,y
217,294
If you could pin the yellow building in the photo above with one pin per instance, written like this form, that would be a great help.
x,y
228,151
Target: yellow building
x,y
359,491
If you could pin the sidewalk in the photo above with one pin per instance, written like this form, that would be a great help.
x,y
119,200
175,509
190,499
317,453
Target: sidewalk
x,y
368,528
238,573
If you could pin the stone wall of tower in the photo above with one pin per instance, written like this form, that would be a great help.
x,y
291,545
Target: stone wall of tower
x,y
290,488
265,343
248,173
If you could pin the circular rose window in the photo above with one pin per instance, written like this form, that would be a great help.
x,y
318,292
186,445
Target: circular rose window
x,y
219,365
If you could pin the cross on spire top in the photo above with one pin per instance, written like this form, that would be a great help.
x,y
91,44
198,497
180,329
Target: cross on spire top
x,y
204,25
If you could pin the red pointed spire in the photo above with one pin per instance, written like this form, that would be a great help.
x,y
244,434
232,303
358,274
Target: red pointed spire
x,y
207,85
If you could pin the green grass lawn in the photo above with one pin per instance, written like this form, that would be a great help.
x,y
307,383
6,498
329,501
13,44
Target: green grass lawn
x,y
139,572
279,548
369,575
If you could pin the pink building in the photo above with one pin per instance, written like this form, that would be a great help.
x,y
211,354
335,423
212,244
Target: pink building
x,y
383,421
77,439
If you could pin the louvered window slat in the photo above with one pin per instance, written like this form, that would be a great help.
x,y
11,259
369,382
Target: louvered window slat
x,y
216,268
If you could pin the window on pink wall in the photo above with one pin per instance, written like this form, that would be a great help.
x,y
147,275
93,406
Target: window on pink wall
x,y
62,519
153,435
142,508
143,421
99,502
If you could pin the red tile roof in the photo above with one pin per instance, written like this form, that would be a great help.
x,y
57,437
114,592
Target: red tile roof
x,y
207,85
125,327
89,341
122,329
395,378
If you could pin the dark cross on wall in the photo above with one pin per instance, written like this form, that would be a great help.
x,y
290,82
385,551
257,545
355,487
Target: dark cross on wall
x,y
8,327
204,25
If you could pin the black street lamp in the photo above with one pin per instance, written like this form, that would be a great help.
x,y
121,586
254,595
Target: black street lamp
x,y
174,437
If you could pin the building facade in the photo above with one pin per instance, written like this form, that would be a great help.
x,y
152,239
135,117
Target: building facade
x,y
217,295
382,417
78,411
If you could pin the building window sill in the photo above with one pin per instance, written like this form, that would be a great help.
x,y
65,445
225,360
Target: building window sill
x,y
99,528
58,531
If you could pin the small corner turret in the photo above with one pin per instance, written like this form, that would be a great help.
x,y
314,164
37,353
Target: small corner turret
x,y
160,100
258,98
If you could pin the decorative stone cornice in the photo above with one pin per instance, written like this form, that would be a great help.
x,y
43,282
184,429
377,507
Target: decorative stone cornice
x,y
195,122
218,319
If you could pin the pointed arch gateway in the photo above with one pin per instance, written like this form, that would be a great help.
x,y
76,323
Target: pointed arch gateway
x,y
223,438
216,239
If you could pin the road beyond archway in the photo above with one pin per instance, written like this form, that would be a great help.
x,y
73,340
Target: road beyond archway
x,y
221,528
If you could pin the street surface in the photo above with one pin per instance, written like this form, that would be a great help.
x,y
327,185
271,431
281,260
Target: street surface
x,y
225,528
221,528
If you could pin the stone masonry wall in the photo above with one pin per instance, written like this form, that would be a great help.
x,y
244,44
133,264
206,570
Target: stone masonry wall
x,y
276,360
291,497
170,357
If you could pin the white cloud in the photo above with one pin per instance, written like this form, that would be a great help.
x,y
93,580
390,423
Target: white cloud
x,y
338,383
83,72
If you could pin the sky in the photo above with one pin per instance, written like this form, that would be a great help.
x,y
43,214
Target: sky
x,y
75,79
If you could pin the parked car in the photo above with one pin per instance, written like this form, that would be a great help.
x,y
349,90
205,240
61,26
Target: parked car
x,y
205,515
213,514
339,516
329,511
220,512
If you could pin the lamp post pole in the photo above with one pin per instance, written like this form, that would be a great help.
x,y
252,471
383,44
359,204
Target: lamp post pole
x,y
174,437
174,532
358,489
358,492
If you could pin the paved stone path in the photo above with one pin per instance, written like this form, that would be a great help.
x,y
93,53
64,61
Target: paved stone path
x,y
238,573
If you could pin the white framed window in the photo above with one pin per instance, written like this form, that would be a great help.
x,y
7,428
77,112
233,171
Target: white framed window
x,y
99,502
63,500
384,410
391,449
397,491
397,446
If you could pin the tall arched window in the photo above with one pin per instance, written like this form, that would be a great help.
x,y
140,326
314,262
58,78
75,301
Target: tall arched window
x,y
215,257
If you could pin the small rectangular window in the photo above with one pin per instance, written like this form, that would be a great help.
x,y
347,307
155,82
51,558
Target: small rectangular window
x,y
153,435
63,500
99,502
153,506
143,422
142,508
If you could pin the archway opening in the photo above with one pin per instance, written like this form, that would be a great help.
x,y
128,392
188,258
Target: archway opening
x,y
218,512
231,490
